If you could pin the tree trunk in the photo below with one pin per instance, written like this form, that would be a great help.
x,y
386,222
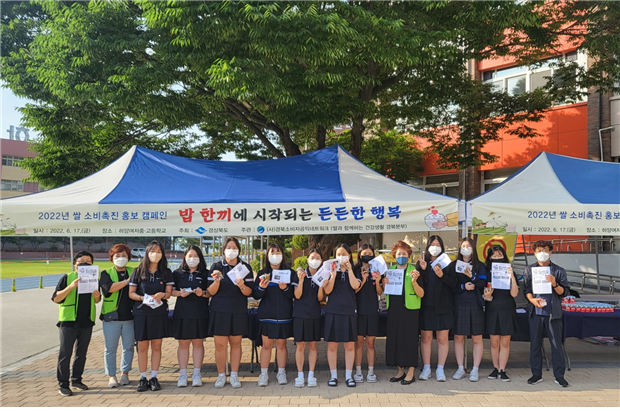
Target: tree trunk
x,y
321,133
357,136
290,148
325,243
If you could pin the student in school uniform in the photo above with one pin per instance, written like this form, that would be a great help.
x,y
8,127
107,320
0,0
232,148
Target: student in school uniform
x,y
228,317
468,305
307,318
437,312
76,318
151,278
341,315
367,312
117,314
191,312
500,314
275,313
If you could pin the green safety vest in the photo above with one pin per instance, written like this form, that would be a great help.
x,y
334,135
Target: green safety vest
x,y
68,308
111,303
412,301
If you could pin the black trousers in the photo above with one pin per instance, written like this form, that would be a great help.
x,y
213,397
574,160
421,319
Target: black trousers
x,y
69,338
538,325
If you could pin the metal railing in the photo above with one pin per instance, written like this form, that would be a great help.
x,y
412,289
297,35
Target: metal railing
x,y
585,279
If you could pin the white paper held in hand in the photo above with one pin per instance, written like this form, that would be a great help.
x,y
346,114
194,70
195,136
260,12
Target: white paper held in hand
x,y
395,282
281,276
378,264
500,278
540,285
151,302
331,265
443,261
320,276
89,279
461,266
239,271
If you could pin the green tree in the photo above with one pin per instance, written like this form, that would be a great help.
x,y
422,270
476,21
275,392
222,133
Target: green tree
x,y
300,242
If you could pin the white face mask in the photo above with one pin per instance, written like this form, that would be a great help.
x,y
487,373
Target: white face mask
x,y
542,257
275,259
342,259
231,253
120,261
314,263
154,257
466,252
192,261
434,250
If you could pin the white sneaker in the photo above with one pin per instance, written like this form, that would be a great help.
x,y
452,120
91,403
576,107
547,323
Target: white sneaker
x,y
358,378
312,382
282,378
425,374
263,380
371,378
440,375
124,379
299,382
460,373
182,381
196,380
234,381
221,381
113,382
473,375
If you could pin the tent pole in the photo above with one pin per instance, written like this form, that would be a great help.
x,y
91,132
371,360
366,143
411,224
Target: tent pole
x,y
71,248
598,272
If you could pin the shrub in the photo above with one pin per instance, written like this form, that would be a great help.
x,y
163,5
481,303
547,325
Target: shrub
x,y
301,262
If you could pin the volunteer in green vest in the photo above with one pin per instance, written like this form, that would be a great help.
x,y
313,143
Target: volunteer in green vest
x,y
117,314
401,345
76,318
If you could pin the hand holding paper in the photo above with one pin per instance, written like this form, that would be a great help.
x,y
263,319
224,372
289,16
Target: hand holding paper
x,y
378,264
540,285
88,276
151,302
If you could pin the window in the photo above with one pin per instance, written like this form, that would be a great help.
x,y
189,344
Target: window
x,y
11,161
446,184
12,185
492,178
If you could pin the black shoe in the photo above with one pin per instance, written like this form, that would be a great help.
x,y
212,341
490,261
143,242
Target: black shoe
x,y
561,382
79,386
143,385
351,383
333,382
397,379
407,382
494,374
65,391
503,376
535,379
154,384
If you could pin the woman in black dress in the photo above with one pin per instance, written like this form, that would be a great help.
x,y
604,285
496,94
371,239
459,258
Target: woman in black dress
x,y
191,312
275,313
341,315
401,346
307,318
152,278
501,315
367,312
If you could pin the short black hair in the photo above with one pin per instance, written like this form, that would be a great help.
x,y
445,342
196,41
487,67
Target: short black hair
x,y
82,254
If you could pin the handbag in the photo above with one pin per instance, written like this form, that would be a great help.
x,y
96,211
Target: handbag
x,y
113,316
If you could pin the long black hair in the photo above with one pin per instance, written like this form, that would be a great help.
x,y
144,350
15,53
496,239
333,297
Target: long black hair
x,y
359,257
348,250
202,266
474,253
274,246
490,252
162,265
427,255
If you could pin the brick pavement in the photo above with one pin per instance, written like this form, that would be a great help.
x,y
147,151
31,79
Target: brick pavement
x,y
594,379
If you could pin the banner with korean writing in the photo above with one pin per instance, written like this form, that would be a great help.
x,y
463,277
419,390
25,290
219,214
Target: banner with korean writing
x,y
227,219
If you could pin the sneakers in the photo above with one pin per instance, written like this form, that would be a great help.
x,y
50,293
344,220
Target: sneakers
x,y
503,376
440,375
143,385
281,377
124,379
358,378
196,380
182,381
371,378
494,375
425,374
79,386
473,375
113,382
65,391
221,381
460,373
154,384
535,379
561,382
299,382
312,382
263,380
234,381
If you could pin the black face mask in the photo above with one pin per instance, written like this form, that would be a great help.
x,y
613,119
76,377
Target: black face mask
x,y
497,259
367,258
81,264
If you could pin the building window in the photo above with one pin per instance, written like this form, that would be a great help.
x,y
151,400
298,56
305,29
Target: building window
x,y
491,178
12,185
11,161
446,184
518,80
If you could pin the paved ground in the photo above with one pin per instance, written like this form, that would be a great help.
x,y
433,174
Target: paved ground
x,y
594,379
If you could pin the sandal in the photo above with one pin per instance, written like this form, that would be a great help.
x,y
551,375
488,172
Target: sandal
x,y
333,382
351,383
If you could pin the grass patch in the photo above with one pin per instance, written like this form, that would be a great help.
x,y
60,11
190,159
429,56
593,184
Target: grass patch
x,y
29,268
